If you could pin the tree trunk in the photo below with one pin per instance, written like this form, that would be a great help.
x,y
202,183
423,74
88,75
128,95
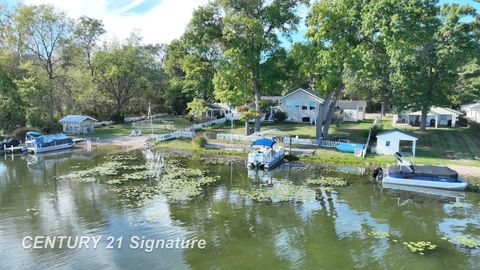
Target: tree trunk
x,y
258,106
246,127
331,110
321,116
382,110
423,120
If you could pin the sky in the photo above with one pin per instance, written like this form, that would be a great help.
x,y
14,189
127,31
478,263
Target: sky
x,y
158,21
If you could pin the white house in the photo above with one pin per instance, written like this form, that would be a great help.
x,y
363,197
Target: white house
x,y
472,111
216,110
301,105
389,142
437,116
352,110
78,124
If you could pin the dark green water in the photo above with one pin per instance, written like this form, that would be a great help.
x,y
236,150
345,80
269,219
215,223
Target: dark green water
x,y
331,233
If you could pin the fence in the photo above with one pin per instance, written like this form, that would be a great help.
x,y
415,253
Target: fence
x,y
103,123
286,140
189,132
175,135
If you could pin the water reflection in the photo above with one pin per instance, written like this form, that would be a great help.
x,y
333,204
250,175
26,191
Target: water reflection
x,y
331,232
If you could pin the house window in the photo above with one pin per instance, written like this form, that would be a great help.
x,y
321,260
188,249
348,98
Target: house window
x,y
387,143
305,105
313,105
297,105
360,109
306,119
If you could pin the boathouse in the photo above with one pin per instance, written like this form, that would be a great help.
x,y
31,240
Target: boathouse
x,y
78,124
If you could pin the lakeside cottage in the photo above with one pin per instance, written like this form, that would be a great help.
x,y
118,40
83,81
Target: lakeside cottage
x,y
472,111
301,105
436,117
78,124
352,110
216,110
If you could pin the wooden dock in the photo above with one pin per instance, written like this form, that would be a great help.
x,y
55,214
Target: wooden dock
x,y
16,149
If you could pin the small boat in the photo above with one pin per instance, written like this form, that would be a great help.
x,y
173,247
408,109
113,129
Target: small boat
x,y
349,147
39,143
426,176
264,155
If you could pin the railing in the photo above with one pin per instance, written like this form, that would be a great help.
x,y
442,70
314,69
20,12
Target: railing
x,y
188,132
103,123
174,135
286,140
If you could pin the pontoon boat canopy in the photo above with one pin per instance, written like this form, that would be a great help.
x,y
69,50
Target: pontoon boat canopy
x,y
264,142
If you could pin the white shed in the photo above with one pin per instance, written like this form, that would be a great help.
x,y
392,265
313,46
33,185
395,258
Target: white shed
x,y
389,142
78,124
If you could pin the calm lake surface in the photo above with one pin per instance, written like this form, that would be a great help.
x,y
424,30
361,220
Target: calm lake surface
x,y
335,230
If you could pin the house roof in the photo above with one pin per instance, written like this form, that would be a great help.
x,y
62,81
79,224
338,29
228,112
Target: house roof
x,y
217,106
475,106
270,98
409,134
76,118
308,91
437,110
350,104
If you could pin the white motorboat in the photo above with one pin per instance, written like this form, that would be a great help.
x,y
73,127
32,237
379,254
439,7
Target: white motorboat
x,y
265,155
425,176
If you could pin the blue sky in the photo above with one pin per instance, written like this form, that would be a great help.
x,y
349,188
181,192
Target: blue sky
x,y
157,20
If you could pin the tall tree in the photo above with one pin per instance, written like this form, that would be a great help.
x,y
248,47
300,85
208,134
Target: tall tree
x,y
44,32
250,31
334,28
428,45
12,107
191,60
124,72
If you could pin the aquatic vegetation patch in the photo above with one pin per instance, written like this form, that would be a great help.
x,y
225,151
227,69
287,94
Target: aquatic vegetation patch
x,y
281,191
379,234
458,205
177,183
138,195
328,181
469,242
123,157
421,246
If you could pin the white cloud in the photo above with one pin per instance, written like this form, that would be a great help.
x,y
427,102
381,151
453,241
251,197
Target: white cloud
x,y
161,24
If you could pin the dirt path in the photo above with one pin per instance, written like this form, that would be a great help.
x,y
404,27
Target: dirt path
x,y
130,142
466,170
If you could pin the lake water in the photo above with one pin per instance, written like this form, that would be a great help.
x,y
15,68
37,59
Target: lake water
x,y
359,226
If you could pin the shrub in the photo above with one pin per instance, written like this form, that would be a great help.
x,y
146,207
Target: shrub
x,y
279,115
474,126
20,132
199,141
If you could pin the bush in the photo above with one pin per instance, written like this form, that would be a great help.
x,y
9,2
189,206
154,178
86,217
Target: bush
x,y
21,132
474,126
279,116
199,141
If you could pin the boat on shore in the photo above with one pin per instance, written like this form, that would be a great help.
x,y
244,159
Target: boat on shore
x,y
349,147
39,143
425,176
265,155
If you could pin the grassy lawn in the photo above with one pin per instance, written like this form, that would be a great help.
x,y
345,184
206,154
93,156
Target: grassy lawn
x,y
356,131
435,146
